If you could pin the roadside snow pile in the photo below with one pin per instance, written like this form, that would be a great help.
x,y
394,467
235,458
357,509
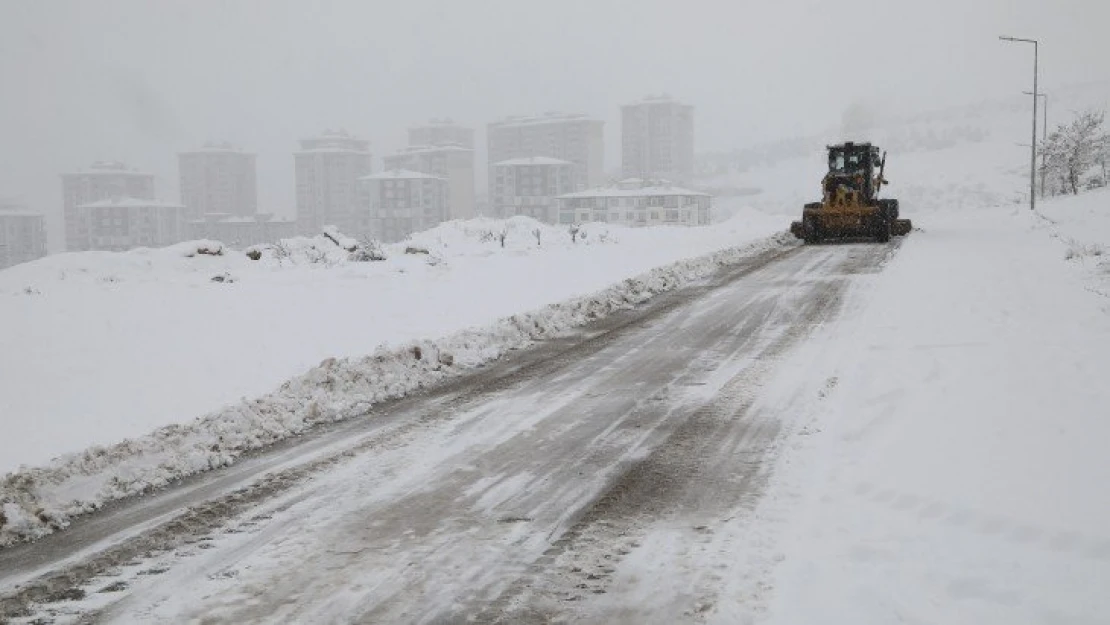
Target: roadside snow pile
x,y
38,501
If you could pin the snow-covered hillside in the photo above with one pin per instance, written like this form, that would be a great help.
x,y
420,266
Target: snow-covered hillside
x,y
962,158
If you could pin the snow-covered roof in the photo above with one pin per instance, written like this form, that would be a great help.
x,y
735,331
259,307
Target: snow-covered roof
x,y
546,118
428,149
446,121
218,148
533,160
233,219
334,134
130,202
662,98
400,174
334,141
18,211
107,168
636,192
332,149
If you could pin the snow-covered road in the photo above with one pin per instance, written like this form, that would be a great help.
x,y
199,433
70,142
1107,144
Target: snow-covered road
x,y
538,490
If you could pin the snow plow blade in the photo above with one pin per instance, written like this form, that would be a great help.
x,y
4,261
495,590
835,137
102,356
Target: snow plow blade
x,y
901,227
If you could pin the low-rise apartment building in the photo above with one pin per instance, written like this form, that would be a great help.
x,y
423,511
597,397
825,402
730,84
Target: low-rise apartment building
x,y
635,202
123,223
242,231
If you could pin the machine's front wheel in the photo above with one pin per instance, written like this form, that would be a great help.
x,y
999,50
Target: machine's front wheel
x,y
810,232
882,230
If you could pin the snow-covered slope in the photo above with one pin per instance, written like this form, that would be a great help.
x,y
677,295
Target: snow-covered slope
x,y
961,158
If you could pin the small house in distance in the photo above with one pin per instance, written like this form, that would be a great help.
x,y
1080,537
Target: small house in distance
x,y
240,231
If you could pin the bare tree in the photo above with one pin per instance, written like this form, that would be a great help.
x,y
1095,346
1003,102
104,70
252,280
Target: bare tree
x,y
369,249
1073,149
1103,157
537,233
501,236
282,251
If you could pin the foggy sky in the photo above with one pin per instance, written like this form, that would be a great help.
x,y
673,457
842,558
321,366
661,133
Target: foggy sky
x,y
140,80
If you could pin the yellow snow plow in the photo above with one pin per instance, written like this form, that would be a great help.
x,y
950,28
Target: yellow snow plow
x,y
850,207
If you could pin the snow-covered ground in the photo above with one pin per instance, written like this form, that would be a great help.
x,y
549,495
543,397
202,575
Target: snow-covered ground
x,y
953,466
947,465
104,346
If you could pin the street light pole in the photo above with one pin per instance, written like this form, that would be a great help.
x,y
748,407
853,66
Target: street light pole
x,y
1033,150
1044,137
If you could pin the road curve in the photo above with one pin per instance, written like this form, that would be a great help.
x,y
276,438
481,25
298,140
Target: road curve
x,y
508,496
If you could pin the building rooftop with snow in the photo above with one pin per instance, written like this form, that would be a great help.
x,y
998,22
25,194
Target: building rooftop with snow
x,y
335,141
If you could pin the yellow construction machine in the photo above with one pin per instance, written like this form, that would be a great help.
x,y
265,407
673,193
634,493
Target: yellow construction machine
x,y
850,207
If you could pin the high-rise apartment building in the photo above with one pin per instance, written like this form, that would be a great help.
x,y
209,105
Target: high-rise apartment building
x,y
101,181
218,178
328,169
575,138
399,202
453,163
529,186
657,139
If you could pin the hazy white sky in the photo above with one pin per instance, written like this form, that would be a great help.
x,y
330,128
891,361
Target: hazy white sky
x,y
140,80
